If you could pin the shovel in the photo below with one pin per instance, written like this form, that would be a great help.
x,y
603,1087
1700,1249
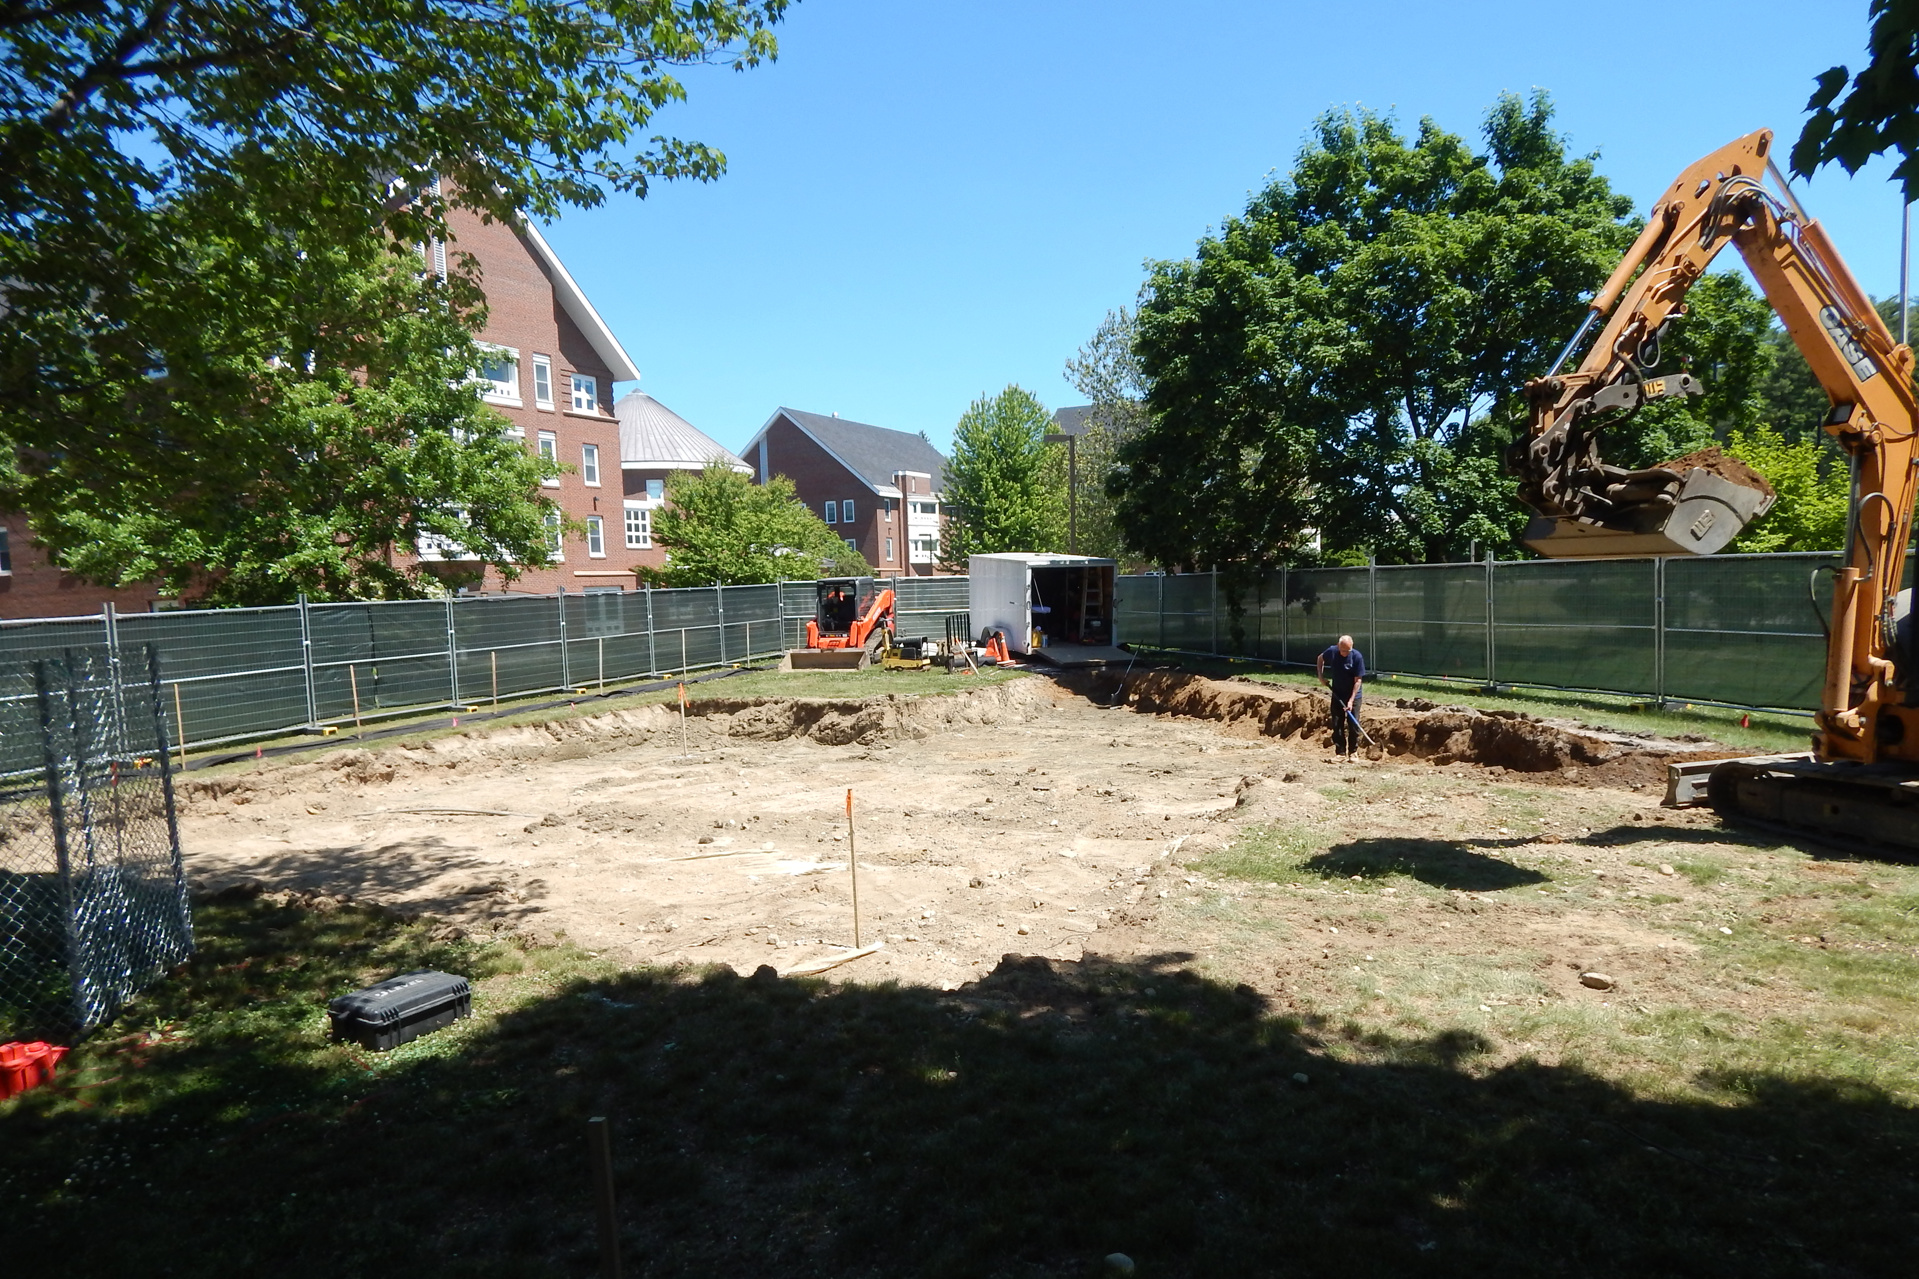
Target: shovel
x,y
1377,751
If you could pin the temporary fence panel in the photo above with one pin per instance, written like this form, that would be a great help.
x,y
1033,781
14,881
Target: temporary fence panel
x,y
1187,612
1321,605
1136,610
506,643
92,890
230,672
1431,618
1577,625
922,604
1747,629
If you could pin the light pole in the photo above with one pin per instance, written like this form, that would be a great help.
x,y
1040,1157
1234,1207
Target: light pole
x,y
1072,488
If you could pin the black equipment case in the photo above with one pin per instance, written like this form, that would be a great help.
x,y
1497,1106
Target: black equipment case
x,y
401,1009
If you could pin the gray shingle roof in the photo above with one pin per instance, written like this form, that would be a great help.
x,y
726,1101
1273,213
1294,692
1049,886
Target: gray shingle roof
x,y
875,453
651,432
1072,420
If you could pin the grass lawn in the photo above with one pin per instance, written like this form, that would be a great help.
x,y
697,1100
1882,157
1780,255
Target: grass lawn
x,y
1025,1126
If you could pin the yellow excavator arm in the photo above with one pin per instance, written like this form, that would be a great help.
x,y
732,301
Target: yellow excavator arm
x,y
1589,509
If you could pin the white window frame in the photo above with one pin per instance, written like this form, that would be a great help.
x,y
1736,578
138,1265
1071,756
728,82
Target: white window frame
x,y
549,448
595,537
556,539
656,492
846,511
542,377
505,392
586,392
832,512
889,550
851,545
590,464
639,526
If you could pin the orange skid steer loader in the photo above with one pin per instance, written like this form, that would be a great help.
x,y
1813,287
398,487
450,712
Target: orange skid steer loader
x,y
852,625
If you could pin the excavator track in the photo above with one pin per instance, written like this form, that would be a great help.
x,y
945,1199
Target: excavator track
x,y
1846,806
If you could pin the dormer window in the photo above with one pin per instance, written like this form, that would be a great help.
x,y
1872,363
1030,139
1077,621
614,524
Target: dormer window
x,y
586,393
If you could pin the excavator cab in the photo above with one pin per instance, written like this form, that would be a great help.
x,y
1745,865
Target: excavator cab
x,y
839,602
851,624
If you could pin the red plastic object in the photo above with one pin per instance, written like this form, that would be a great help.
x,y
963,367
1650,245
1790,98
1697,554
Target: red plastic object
x,y
27,1065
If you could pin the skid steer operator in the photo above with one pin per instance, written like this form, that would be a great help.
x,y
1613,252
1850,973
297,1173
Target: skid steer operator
x,y
1343,669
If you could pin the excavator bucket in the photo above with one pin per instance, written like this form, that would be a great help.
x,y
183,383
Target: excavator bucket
x,y
829,659
1707,513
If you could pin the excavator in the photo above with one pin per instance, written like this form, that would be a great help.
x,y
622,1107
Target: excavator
x,y
1860,783
852,624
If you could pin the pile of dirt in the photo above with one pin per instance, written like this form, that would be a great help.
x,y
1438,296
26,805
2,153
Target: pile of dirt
x,y
867,721
1442,735
1722,464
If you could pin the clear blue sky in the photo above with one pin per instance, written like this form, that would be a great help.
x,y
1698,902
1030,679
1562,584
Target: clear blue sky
x,y
927,201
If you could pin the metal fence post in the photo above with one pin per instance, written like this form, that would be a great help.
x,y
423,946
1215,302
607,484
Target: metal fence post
x,y
452,657
566,658
779,610
306,663
1372,607
719,608
1285,622
652,657
1659,630
1215,611
1159,613
1492,645
110,621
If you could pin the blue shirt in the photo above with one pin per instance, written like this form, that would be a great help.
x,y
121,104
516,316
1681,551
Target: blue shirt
x,y
1344,671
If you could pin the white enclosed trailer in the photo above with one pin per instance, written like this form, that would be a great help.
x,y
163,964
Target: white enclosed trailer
x,y
1055,608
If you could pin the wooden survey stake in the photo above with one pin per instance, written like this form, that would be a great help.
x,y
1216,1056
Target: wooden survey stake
x,y
853,864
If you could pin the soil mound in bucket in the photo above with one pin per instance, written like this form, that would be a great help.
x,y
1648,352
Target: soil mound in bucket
x,y
1506,740
1724,465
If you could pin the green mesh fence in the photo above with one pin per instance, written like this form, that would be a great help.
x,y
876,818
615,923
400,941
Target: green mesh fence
x,y
1741,629
1747,628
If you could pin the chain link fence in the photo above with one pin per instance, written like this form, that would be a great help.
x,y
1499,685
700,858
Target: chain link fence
x,y
93,899
1744,630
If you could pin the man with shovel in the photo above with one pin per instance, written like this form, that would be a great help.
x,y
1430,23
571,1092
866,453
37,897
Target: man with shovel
x,y
1343,669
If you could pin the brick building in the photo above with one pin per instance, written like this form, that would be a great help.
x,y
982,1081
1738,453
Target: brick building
x,y
655,442
550,368
879,489
32,586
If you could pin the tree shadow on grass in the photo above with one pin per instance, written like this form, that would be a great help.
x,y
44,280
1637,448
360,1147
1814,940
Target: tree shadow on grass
x,y
1442,863
1024,1125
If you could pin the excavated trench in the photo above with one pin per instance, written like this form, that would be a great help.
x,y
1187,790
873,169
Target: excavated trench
x,y
1442,735
1508,740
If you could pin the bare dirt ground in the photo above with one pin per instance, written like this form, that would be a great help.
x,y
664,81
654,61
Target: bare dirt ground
x,y
1025,818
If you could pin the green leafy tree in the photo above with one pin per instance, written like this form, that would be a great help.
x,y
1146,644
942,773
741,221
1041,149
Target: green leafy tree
x,y
1337,357
1725,339
1005,487
198,167
1106,371
1879,109
1809,513
719,526
234,476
